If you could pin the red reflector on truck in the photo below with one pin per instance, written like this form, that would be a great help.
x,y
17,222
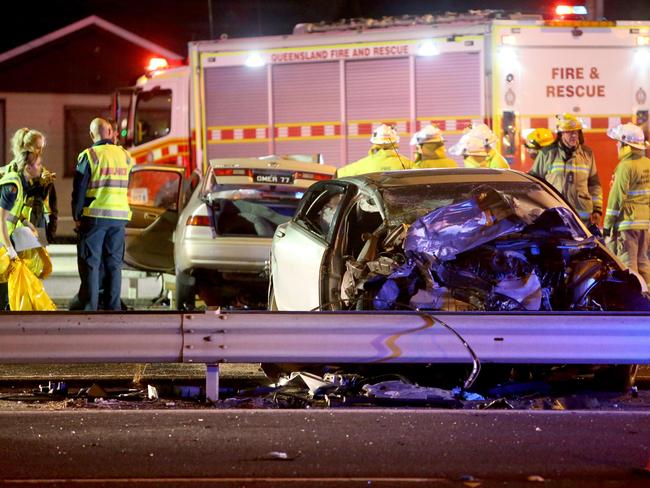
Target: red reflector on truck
x,y
199,221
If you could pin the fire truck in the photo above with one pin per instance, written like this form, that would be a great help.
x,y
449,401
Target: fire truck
x,y
323,88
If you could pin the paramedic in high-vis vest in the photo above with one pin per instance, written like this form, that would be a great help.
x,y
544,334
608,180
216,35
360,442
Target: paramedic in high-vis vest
x,y
382,156
627,218
430,149
100,209
13,190
570,167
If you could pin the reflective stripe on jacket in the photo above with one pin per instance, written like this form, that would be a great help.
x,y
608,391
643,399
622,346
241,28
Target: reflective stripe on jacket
x,y
628,204
15,214
576,179
377,160
110,166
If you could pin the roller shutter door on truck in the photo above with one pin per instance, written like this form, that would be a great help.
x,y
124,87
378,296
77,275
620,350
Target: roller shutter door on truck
x,y
236,112
377,91
306,109
448,93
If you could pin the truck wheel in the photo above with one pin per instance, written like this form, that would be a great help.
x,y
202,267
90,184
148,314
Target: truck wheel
x,y
185,291
619,377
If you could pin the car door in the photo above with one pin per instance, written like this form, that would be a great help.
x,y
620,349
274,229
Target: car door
x,y
300,246
155,196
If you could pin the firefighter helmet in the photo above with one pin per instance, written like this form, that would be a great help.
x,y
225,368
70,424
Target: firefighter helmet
x,y
475,146
629,134
482,131
568,122
430,133
538,138
384,134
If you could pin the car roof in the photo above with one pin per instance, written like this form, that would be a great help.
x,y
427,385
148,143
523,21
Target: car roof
x,y
438,175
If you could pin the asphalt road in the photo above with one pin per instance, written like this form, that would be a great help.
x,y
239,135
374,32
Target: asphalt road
x,y
375,447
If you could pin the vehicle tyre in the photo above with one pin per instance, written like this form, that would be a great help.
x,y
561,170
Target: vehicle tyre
x,y
619,377
185,291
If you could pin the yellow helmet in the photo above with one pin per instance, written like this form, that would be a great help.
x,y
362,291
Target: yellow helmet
x,y
567,122
538,138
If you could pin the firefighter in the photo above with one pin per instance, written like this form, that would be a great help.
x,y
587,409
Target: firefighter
x,y
470,147
627,218
570,167
13,193
382,156
536,139
430,149
100,209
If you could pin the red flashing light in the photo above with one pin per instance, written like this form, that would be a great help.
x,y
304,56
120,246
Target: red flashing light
x,y
156,64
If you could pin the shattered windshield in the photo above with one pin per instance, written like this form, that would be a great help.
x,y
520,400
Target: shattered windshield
x,y
407,203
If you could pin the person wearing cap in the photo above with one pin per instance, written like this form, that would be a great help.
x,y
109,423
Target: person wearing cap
x,y
382,156
430,149
570,167
627,218
477,147
536,139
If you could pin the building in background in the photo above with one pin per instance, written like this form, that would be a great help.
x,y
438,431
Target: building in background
x,y
58,82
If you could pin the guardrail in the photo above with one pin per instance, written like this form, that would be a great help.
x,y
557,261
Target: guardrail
x,y
216,337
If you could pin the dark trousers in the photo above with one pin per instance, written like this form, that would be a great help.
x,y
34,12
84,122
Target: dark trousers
x,y
4,296
101,246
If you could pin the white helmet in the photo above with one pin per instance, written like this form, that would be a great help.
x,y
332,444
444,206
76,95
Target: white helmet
x,y
384,134
482,131
430,133
475,146
629,134
469,145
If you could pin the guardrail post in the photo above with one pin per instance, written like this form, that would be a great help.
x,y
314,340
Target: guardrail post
x,y
212,382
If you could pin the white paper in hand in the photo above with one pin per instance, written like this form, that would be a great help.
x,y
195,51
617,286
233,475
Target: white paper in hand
x,y
24,239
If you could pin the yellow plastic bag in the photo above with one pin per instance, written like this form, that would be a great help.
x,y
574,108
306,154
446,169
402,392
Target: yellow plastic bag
x,y
38,261
4,265
26,290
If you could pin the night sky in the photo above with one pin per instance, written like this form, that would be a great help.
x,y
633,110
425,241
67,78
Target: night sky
x,y
172,23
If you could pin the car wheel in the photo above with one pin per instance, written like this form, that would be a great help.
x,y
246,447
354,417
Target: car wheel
x,y
619,377
185,291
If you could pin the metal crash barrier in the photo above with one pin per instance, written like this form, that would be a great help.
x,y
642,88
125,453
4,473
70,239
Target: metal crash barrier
x,y
215,337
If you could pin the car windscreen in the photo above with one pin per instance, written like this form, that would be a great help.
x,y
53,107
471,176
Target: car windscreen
x,y
405,204
251,209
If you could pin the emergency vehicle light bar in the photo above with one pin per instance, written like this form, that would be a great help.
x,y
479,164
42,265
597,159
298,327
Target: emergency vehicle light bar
x,y
562,10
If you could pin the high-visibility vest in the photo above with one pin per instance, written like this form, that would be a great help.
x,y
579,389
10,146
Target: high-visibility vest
x,y
110,166
15,214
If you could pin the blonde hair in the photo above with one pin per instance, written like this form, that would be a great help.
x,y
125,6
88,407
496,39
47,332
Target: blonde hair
x,y
26,140
25,148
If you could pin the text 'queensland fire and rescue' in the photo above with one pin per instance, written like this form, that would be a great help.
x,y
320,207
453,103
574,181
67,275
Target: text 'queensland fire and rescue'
x,y
567,89
340,53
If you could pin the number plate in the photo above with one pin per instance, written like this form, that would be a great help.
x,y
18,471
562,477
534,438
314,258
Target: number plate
x,y
273,178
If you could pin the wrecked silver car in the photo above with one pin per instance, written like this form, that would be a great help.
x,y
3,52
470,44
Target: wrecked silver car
x,y
453,240
444,240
